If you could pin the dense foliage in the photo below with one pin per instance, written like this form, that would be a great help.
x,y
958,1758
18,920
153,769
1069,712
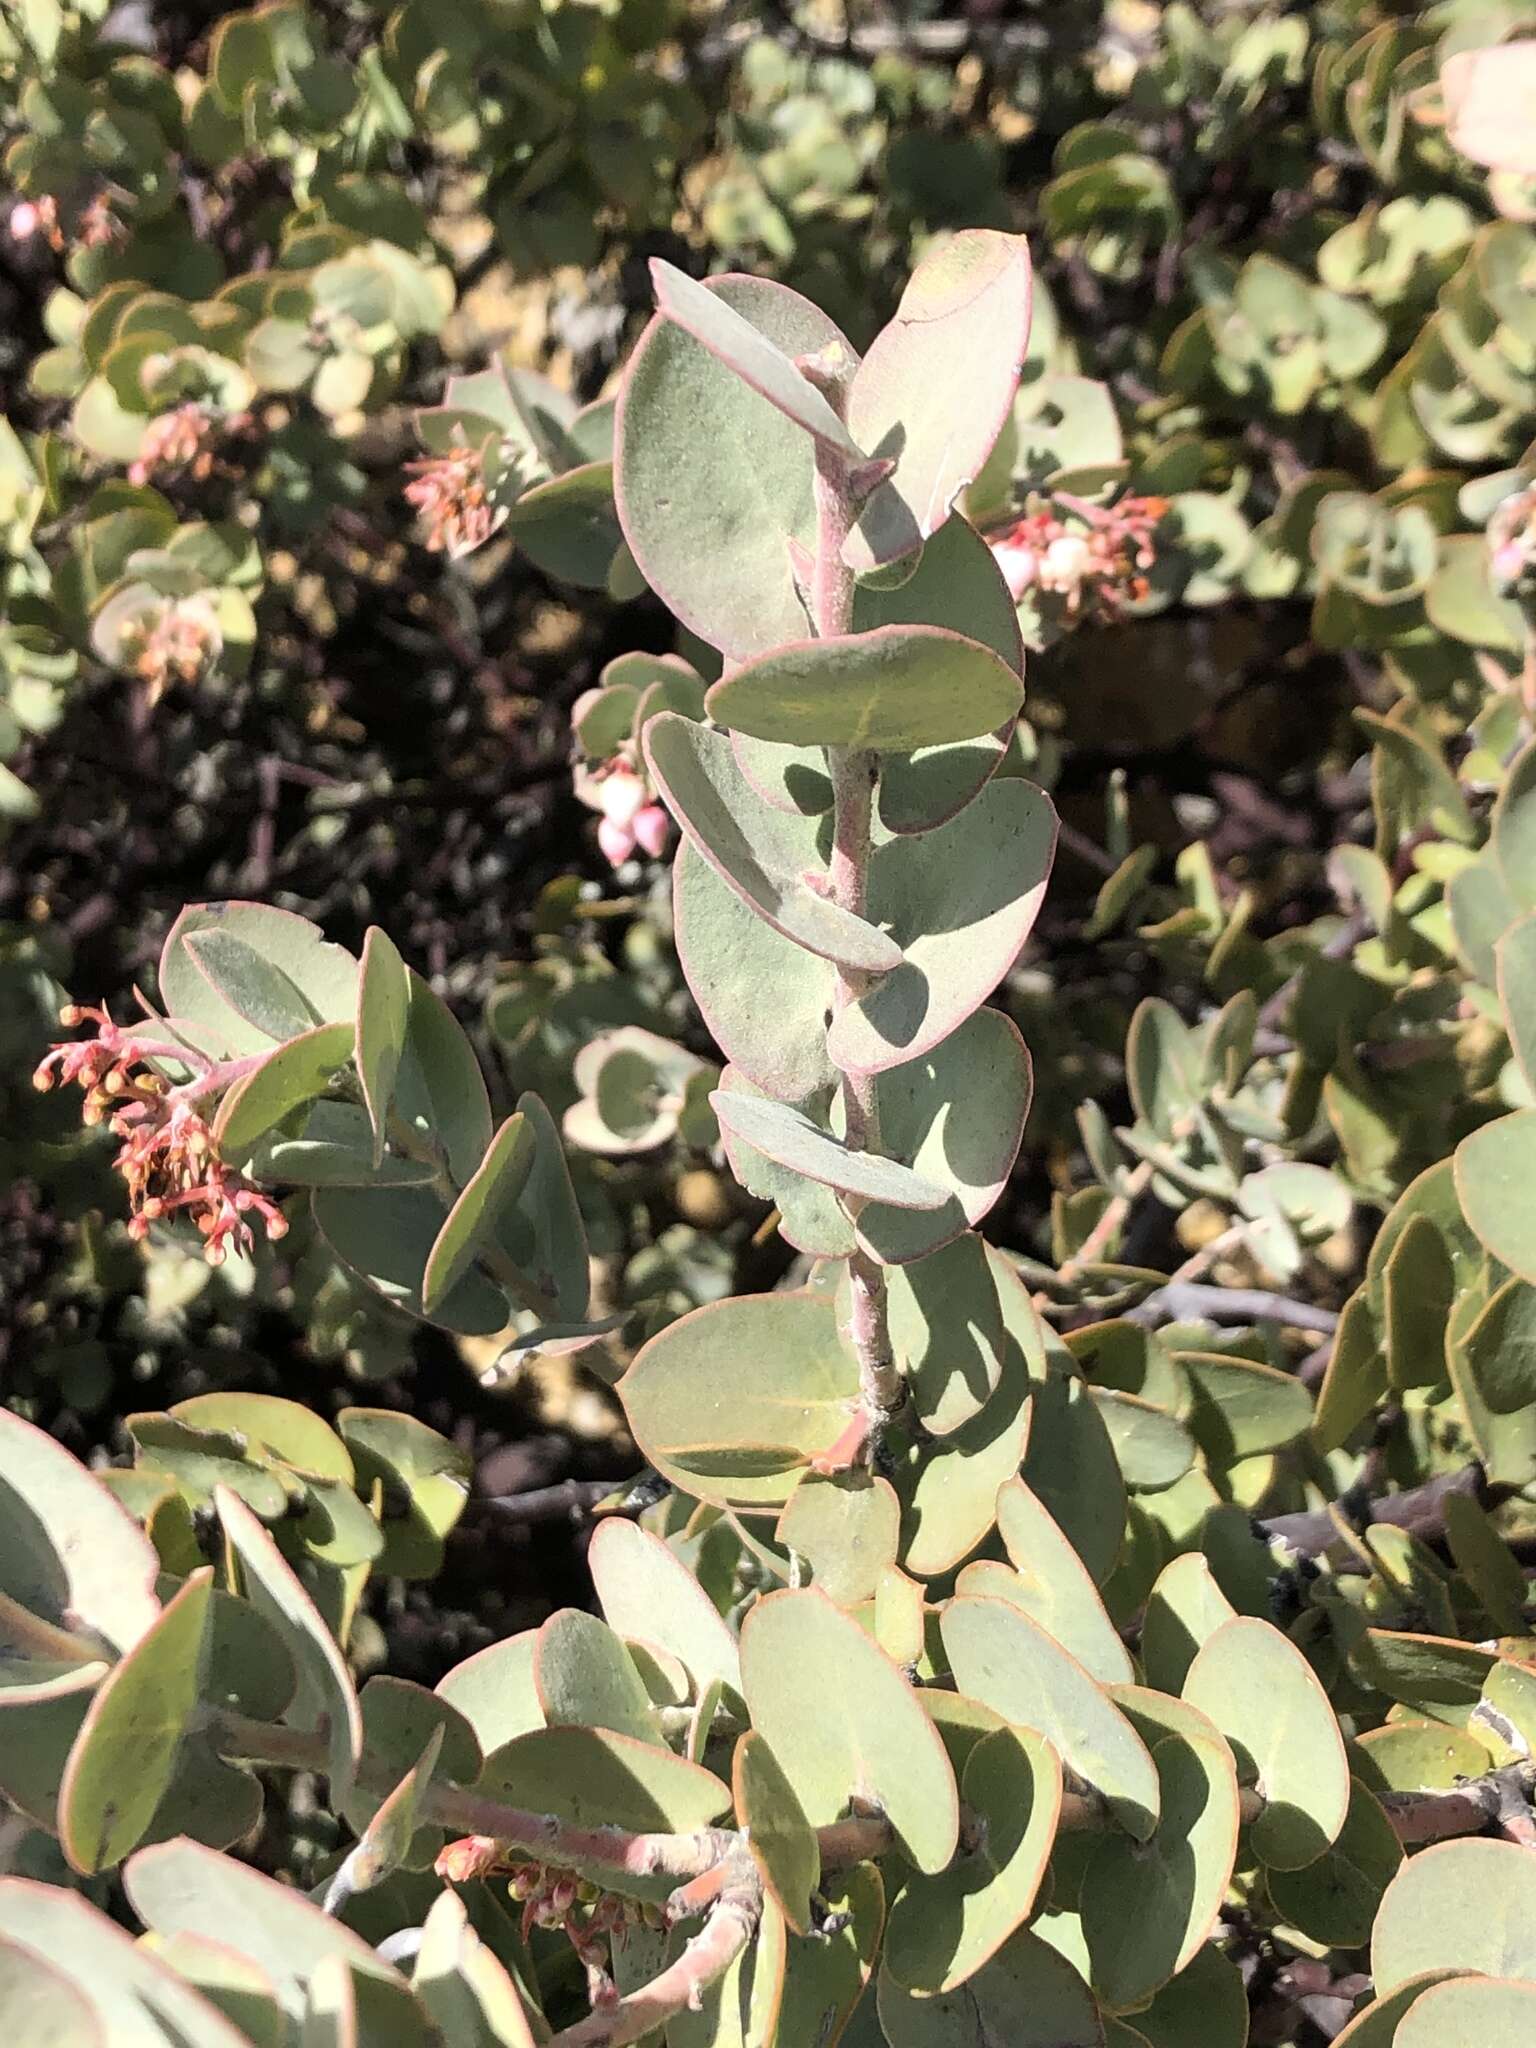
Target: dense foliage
x,y
768,846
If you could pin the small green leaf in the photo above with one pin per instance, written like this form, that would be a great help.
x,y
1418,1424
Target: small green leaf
x,y
781,1839
1497,1186
1006,1660
325,1697
744,349
295,1074
788,1137
1468,1905
1336,1899
895,689
869,1737
383,1015
125,1756
845,1526
647,1593
472,1221
763,854
1049,1582
585,1678
946,1927
1265,1698
743,1442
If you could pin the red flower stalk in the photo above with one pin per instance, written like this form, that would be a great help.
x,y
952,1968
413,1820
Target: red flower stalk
x,y
168,1156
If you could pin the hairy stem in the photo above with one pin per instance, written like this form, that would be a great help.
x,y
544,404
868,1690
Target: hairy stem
x,y
855,774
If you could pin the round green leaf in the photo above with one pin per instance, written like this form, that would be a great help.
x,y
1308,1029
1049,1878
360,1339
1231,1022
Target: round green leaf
x,y
782,1840
1468,1905
1471,2012
742,970
869,1738
1335,1900
1147,1908
712,534
495,1691
1050,1582
587,1679
742,1441
895,689
845,1526
1265,1698
284,968
70,1554
945,1927
1497,1186
125,1755
325,1697
789,1138
648,1594
296,1073
946,1329
1242,1408
960,903
937,385
948,1487
761,852
1006,1660
1027,1995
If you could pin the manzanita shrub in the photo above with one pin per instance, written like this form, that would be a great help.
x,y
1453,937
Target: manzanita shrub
x,y
957,1682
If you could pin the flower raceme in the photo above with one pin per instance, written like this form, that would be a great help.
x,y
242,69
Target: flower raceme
x,y
1095,560
168,1155
449,492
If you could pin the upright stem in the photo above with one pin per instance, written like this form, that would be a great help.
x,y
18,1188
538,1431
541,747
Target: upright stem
x,y
855,773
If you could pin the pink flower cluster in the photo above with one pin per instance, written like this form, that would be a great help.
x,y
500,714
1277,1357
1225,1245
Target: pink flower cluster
x,y
631,816
171,644
1095,561
168,1155
181,439
450,494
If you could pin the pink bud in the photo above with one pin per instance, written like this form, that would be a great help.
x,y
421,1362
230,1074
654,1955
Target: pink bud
x,y
651,829
24,220
620,795
617,841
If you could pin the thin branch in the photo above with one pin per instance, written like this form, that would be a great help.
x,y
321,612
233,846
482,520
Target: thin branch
x,y
1114,1217
1191,1301
681,1986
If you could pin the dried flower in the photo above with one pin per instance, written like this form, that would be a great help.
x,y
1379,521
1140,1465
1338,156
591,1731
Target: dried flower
x,y
168,1155
100,225
449,492
1094,561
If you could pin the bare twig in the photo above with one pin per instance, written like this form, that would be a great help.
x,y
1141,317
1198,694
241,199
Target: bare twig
x,y
1190,1301
731,1925
1114,1217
